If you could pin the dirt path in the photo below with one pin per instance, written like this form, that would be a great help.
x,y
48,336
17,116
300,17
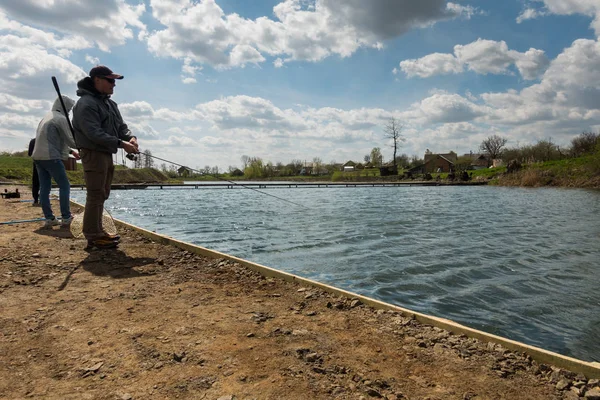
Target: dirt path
x,y
149,321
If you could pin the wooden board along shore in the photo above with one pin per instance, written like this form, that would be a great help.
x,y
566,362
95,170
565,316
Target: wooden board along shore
x,y
161,319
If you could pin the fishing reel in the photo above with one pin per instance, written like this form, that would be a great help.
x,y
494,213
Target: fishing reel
x,y
132,157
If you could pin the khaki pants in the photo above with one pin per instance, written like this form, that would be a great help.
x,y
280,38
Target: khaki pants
x,y
98,171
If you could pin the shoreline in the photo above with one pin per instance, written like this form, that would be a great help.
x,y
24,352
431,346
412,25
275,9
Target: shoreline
x,y
151,320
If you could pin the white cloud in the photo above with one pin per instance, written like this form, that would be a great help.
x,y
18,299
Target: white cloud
x,y
25,69
590,8
143,130
181,141
136,110
108,22
531,63
430,65
92,60
20,105
18,121
529,13
443,108
482,57
309,31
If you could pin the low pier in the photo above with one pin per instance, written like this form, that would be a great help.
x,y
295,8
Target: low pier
x,y
280,185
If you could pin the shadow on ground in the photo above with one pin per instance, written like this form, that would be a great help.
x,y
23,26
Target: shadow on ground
x,y
114,263
60,232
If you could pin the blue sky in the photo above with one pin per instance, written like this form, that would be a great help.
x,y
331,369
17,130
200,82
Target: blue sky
x,y
209,81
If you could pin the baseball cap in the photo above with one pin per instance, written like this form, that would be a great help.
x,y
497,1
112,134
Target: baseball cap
x,y
105,72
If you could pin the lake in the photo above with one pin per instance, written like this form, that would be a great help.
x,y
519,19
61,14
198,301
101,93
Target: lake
x,y
519,263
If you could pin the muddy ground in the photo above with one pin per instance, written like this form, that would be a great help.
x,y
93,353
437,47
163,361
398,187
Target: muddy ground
x,y
148,321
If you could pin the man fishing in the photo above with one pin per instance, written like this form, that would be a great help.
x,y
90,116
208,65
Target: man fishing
x,y
99,132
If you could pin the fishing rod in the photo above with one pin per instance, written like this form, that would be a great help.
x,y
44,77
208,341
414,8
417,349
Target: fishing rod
x,y
132,157
21,221
226,180
62,103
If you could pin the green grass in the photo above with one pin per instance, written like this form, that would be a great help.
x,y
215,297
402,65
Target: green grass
x,y
20,170
575,172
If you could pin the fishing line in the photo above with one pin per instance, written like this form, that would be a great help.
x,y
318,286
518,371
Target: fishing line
x,y
233,182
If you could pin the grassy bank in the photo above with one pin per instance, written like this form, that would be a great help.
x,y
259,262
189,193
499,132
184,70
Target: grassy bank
x,y
20,170
582,172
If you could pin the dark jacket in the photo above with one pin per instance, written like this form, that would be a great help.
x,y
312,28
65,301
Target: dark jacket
x,y
97,122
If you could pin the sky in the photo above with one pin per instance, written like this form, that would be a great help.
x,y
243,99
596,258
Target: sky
x,y
210,81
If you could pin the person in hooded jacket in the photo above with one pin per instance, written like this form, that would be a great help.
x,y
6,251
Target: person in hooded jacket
x,y
53,144
99,132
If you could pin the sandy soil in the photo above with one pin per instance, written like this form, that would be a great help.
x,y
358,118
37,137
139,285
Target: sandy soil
x,y
148,321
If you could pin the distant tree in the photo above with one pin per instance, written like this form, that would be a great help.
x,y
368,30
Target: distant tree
x,y
367,158
317,164
403,160
214,171
393,130
376,157
148,160
139,161
415,160
231,168
245,160
255,168
492,146
585,143
295,166
546,150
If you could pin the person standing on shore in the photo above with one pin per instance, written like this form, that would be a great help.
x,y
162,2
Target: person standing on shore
x,y
53,144
99,131
35,179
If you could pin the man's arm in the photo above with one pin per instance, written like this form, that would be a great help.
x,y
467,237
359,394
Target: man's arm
x,y
124,132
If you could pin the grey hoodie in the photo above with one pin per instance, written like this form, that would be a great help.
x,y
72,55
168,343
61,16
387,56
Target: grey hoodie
x,y
53,138
97,122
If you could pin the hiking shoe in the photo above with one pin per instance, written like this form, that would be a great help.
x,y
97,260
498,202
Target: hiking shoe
x,y
50,223
36,204
102,243
66,222
112,237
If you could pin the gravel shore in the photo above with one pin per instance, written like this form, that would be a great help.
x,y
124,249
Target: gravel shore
x,y
151,321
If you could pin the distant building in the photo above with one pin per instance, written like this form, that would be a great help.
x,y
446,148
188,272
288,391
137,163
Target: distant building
x,y
349,166
478,161
436,162
184,171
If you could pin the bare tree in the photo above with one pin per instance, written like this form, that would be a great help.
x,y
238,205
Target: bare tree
x,y
317,164
245,161
585,143
393,130
138,162
148,160
367,158
492,146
